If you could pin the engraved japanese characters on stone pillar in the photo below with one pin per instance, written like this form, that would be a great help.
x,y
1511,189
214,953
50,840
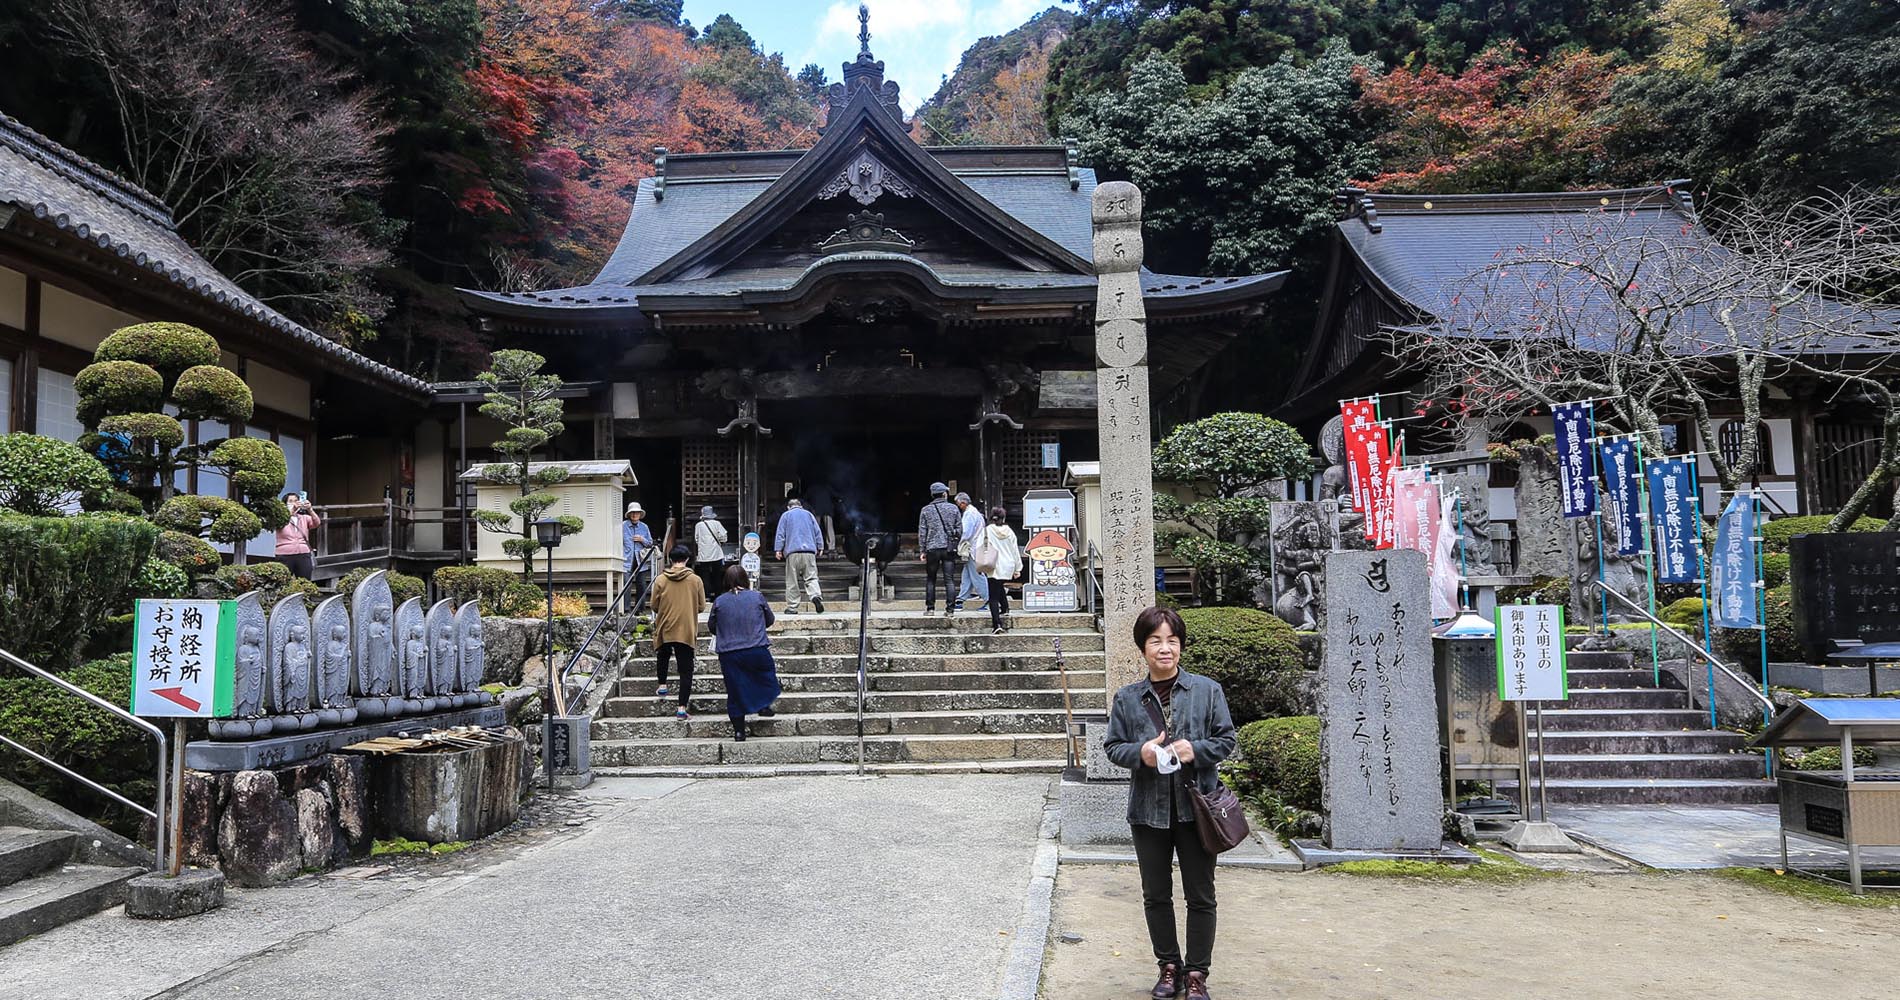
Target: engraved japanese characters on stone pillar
x,y
1121,384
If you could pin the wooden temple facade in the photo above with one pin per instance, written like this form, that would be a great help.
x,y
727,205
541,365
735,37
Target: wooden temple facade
x,y
853,321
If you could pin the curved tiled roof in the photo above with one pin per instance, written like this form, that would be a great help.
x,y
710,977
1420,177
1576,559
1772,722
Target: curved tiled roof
x,y
64,190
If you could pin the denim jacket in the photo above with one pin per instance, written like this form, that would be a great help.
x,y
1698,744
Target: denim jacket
x,y
1199,710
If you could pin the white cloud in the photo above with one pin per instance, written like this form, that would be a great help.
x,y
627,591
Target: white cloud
x,y
919,41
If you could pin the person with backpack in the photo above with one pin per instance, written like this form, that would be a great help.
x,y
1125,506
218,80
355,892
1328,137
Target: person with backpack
x,y
709,555
997,556
678,598
939,531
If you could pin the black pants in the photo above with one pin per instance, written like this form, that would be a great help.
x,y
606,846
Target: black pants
x,y
941,561
999,601
712,574
684,652
301,564
1155,849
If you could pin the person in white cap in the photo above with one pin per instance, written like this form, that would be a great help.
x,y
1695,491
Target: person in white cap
x,y
635,543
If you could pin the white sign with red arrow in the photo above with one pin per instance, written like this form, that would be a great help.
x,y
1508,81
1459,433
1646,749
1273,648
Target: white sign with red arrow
x,y
183,654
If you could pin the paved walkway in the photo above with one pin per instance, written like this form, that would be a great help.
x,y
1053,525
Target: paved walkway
x,y
1691,837
785,888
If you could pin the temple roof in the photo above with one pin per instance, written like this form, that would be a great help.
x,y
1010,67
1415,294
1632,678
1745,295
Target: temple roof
x,y
100,210
721,232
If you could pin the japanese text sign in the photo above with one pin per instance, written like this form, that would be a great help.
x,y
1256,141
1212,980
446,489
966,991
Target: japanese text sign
x,y
1733,565
1676,526
1531,653
183,658
1576,463
1356,417
1619,473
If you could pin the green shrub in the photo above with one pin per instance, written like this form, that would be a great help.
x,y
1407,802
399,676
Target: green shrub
x,y
1541,590
60,576
89,740
1826,759
1744,644
401,585
158,428
118,387
169,348
272,581
485,584
212,392
229,521
46,477
1684,613
1255,656
1281,756
1774,568
160,579
1776,533
523,600
257,471
188,552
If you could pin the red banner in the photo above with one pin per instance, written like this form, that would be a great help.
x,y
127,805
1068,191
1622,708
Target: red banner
x,y
1356,417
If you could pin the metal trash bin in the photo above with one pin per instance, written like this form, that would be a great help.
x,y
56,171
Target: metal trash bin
x,y
1853,807
1482,735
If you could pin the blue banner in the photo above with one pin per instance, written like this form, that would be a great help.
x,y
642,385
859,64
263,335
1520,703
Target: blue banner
x,y
1576,465
1619,474
1733,565
1671,492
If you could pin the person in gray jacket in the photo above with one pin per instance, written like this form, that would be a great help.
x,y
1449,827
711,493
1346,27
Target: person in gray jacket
x,y
939,531
1171,728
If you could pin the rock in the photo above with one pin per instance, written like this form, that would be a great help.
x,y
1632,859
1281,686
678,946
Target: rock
x,y
316,828
506,642
349,787
534,673
203,792
257,835
154,896
515,700
1069,937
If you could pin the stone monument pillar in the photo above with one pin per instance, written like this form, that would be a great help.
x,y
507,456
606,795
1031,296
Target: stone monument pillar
x,y
1121,407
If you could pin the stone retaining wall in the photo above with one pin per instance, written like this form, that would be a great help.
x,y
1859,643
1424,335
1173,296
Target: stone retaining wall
x,y
268,826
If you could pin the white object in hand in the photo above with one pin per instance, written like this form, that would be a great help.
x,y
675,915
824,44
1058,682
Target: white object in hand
x,y
1165,760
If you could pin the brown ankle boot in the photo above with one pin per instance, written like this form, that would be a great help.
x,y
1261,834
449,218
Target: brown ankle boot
x,y
1169,985
1197,986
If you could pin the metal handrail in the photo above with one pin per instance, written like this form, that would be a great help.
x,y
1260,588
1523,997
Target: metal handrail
x,y
1094,582
76,776
574,655
864,640
159,839
1695,647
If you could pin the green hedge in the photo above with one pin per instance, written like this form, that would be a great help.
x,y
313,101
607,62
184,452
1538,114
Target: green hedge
x,y
1775,533
60,576
1255,656
272,581
1684,613
1281,756
46,477
1774,568
86,739
402,586
485,584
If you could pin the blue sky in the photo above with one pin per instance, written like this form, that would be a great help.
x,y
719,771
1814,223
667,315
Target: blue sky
x,y
919,40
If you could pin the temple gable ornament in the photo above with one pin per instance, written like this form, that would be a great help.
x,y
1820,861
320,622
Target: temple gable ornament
x,y
865,178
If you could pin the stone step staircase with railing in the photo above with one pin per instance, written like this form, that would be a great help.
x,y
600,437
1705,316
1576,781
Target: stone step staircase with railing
x,y
50,877
941,695
1621,739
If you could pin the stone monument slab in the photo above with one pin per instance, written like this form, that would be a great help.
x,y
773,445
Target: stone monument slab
x,y
1378,717
250,702
412,657
445,655
1844,587
290,667
1544,537
468,669
1473,493
1300,531
1122,424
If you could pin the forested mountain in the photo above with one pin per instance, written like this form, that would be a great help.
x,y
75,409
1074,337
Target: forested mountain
x,y
352,161
996,93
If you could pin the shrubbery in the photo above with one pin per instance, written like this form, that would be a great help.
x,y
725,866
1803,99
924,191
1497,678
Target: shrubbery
x,y
1744,644
1255,656
1685,613
1282,756
61,576
86,739
484,584
1776,533
46,477
272,581
402,586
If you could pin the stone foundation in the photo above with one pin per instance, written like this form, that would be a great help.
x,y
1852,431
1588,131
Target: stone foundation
x,y
268,826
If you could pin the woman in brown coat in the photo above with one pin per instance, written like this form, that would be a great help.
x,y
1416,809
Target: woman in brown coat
x,y
678,598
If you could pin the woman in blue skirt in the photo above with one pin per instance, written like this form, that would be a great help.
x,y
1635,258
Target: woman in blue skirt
x,y
739,619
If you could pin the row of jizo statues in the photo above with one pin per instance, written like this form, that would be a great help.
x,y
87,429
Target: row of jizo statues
x,y
363,660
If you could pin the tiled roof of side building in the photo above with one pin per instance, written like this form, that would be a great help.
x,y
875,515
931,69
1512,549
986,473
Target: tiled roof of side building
x,y
61,188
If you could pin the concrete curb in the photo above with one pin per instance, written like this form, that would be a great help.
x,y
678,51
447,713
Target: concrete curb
x,y
1022,971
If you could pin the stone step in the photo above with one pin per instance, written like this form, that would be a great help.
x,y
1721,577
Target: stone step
x,y
841,619
1646,719
1587,741
1593,679
918,680
1657,791
1649,765
972,722
1599,659
919,643
780,750
880,702
58,897
1052,765
888,663
1649,697
25,853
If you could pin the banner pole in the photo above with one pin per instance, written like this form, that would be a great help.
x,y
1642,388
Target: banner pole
x,y
1761,612
1649,558
1708,634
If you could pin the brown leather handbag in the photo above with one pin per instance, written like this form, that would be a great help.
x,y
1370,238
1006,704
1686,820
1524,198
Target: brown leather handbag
x,y
1219,818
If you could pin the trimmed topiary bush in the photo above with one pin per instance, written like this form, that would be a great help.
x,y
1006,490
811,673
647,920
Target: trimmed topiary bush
x,y
168,348
188,552
1255,656
211,392
272,581
1775,533
118,387
61,576
401,585
1281,756
484,584
139,428
1775,567
228,520
46,477
160,579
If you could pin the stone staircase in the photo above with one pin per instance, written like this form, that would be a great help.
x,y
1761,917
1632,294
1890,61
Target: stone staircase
x,y
942,695
49,878
1623,740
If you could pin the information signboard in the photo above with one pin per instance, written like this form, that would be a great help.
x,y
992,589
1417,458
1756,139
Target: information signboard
x,y
184,655
1531,653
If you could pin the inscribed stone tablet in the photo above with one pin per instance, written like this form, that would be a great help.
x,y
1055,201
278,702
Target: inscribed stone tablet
x,y
1378,720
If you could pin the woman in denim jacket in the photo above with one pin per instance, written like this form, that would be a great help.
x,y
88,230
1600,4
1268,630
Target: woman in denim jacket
x,y
1175,722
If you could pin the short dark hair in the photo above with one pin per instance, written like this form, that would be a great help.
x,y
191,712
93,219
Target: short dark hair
x,y
737,578
680,553
998,515
1150,621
